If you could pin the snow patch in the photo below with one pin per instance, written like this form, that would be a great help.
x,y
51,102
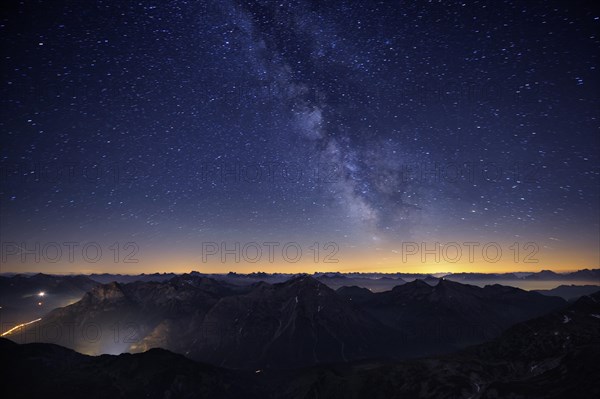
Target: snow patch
x,y
595,315
566,319
533,367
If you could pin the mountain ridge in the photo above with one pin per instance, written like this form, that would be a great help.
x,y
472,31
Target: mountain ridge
x,y
296,323
511,365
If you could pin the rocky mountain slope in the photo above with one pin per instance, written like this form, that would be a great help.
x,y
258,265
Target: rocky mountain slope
x,y
296,323
553,356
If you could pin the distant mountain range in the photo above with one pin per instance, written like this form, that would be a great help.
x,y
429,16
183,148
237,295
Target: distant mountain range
x,y
297,323
553,356
570,292
338,278
376,281
232,277
130,278
545,275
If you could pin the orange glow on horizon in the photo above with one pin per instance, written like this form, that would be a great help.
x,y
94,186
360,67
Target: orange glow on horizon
x,y
378,261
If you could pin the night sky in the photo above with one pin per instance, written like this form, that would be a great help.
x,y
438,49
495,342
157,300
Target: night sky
x,y
360,123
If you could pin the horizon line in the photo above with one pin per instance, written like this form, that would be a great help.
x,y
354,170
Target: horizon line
x,y
442,273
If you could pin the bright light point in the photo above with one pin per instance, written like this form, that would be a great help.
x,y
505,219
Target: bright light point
x,y
39,303
41,293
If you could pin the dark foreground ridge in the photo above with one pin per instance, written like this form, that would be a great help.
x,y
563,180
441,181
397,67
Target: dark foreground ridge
x,y
553,356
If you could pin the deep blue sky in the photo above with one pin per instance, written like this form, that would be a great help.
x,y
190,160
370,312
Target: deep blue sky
x,y
363,123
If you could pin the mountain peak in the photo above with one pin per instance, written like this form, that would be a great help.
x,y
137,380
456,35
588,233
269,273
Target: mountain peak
x,y
545,271
107,292
444,282
416,283
303,280
304,286
415,287
445,285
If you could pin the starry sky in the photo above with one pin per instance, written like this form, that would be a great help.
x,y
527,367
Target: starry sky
x,y
359,124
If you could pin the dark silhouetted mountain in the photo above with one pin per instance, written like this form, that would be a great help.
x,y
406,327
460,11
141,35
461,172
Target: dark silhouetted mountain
x,y
431,280
130,278
46,370
354,293
550,335
452,315
259,275
585,275
545,275
329,275
481,276
251,278
114,317
570,292
296,323
592,275
374,283
553,356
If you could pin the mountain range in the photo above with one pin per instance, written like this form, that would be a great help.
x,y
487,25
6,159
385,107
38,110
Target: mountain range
x,y
552,356
297,323
570,292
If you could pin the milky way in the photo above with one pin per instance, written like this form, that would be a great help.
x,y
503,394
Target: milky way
x,y
366,124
